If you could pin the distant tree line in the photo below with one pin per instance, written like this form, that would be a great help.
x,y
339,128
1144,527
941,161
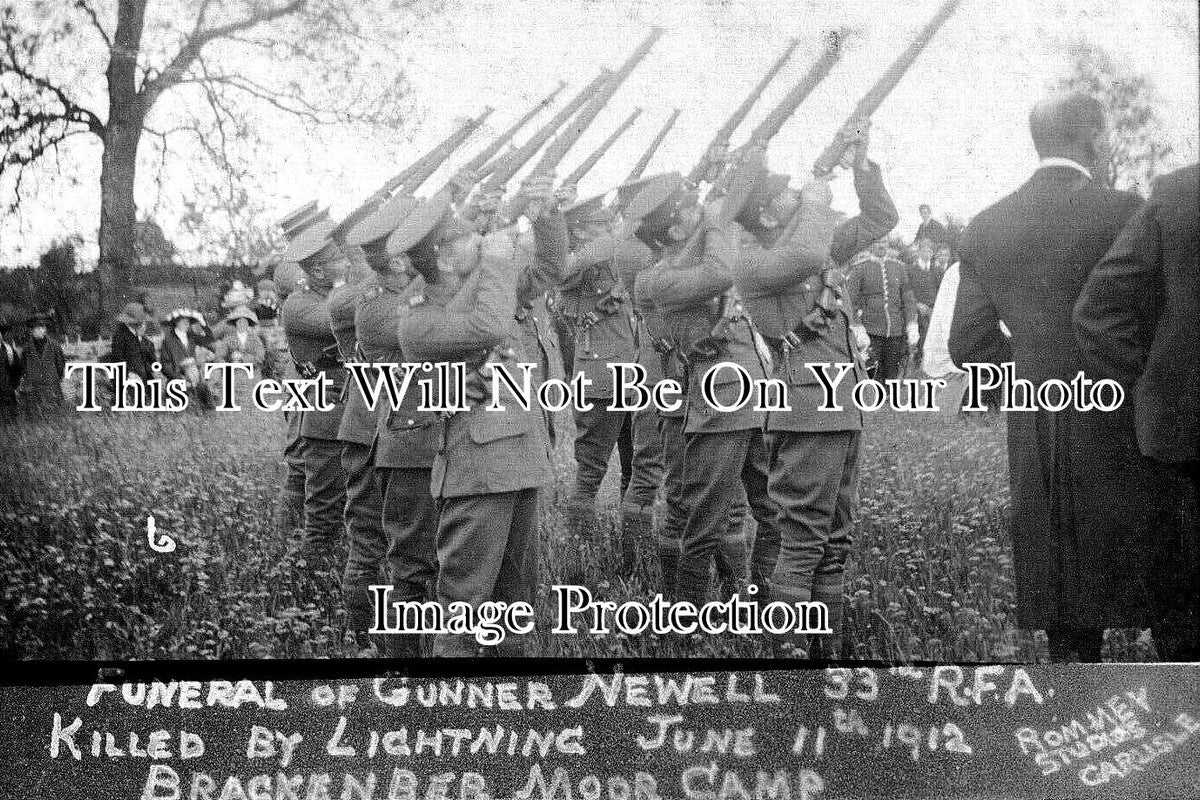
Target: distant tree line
x,y
57,287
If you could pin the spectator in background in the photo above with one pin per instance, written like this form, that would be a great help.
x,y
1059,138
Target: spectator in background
x,y
930,228
241,344
43,367
266,308
130,346
882,295
202,335
179,357
925,276
10,366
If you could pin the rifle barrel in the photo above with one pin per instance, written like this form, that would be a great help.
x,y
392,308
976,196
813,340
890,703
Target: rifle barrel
x,y
485,155
411,176
874,98
583,169
725,132
507,165
436,157
644,161
562,144
785,108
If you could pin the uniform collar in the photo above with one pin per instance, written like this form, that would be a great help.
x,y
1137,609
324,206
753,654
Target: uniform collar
x,y
1059,161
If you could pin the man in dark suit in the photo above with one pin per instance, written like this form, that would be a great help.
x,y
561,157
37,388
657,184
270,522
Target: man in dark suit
x,y
1136,323
930,229
1080,503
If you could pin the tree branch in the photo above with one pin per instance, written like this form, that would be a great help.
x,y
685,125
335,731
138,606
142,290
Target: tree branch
x,y
174,72
83,6
72,111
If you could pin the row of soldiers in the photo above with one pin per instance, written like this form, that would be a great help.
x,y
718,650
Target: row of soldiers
x,y
728,263
449,505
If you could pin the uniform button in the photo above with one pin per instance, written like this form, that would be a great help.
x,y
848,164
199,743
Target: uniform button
x,y
411,422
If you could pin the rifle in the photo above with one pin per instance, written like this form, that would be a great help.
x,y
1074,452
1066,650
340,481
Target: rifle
x,y
874,98
725,132
562,143
483,159
417,171
736,182
589,162
501,171
870,103
642,163
434,159
747,165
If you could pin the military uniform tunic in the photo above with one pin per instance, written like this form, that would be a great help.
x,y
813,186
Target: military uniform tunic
x,y
724,452
364,500
597,302
311,343
406,442
490,463
813,453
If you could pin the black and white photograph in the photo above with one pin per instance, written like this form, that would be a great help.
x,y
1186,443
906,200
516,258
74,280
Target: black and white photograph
x,y
757,358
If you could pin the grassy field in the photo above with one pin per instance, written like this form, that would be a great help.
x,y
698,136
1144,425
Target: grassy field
x,y
930,578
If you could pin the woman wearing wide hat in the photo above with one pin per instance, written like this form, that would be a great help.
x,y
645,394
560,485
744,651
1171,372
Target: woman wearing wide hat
x,y
179,357
242,344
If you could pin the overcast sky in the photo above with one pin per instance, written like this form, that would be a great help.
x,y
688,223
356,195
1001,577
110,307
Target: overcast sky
x,y
954,133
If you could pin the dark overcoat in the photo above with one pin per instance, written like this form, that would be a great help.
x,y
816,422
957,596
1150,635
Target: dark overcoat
x,y
1137,318
1082,501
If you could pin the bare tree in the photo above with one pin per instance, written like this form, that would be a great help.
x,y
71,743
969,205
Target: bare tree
x,y
220,58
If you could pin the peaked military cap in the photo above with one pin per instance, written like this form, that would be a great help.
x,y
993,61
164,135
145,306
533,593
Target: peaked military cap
x,y
657,206
382,221
596,209
426,218
312,243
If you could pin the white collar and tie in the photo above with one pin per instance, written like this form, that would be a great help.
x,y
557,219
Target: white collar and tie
x,y
1059,161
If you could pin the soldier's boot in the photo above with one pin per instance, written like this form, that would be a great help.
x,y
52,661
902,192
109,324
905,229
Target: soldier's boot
x,y
407,645
668,563
829,589
790,644
731,563
289,512
580,516
360,615
637,526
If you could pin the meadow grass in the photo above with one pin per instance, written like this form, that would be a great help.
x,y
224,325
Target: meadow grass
x,y
930,575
